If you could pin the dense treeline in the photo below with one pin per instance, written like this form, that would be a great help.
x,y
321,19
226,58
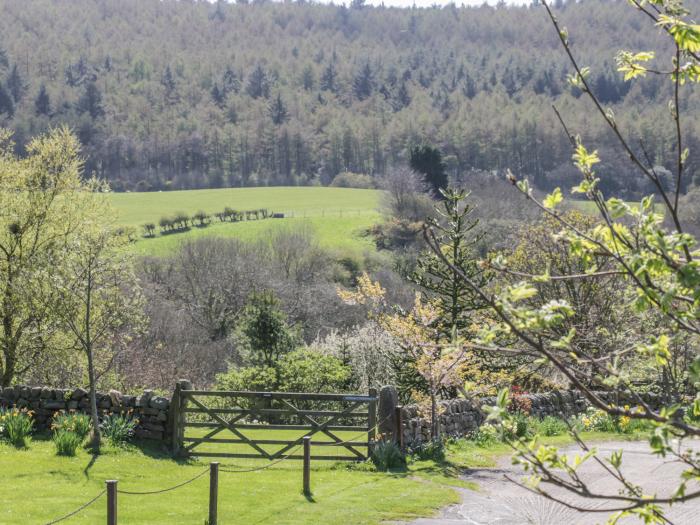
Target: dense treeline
x,y
184,94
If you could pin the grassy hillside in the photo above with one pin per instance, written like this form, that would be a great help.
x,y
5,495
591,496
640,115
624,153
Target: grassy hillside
x,y
338,215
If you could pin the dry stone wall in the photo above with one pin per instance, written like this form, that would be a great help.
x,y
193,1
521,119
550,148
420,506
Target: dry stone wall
x,y
151,411
459,417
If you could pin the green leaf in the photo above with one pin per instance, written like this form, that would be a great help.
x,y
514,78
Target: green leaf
x,y
553,199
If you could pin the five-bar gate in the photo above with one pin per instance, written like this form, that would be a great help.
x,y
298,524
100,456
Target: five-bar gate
x,y
272,425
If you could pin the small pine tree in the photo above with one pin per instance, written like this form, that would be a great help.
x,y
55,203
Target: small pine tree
x,y
363,84
456,235
91,101
427,160
15,84
7,106
42,104
278,111
168,82
265,330
258,83
328,78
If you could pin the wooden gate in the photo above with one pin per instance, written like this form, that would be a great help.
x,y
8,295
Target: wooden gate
x,y
271,425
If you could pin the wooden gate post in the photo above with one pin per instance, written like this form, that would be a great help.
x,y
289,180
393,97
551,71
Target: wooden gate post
x,y
307,466
111,502
213,493
372,423
177,415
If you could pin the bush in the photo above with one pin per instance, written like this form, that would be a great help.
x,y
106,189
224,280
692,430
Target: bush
x,y
485,435
66,442
118,428
597,420
348,179
551,426
16,425
431,450
387,456
307,370
79,424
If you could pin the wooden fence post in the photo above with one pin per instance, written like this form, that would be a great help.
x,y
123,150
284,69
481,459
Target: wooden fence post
x,y
372,435
398,421
213,493
177,415
111,502
307,466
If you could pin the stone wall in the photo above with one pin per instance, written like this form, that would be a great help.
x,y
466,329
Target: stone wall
x,y
151,411
459,417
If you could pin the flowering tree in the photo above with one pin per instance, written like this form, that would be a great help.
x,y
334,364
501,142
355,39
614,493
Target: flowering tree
x,y
417,333
659,261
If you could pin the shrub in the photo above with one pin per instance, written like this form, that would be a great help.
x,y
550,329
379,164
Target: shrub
x,y
66,442
306,370
430,450
16,425
597,420
485,435
118,428
77,423
551,426
201,217
387,456
348,179
519,403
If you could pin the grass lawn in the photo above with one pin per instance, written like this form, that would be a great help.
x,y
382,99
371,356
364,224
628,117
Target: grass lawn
x,y
38,486
338,215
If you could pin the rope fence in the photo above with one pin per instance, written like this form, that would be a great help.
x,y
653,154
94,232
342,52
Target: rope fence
x,y
150,492
112,490
79,509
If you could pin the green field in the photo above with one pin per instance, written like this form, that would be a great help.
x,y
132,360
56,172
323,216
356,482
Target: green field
x,y
337,215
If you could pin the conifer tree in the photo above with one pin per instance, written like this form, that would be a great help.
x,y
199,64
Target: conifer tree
x,y
278,111
42,104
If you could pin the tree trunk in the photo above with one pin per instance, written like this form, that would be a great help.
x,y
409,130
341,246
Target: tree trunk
x,y
434,425
95,438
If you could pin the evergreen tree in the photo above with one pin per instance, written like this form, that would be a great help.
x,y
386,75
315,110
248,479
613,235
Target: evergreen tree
x,y
402,98
278,111
15,84
363,84
42,104
168,82
266,333
258,83
218,96
218,13
307,78
4,61
230,82
7,105
91,101
456,235
329,77
427,160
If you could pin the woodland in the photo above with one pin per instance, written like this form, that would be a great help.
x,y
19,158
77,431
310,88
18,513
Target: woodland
x,y
193,94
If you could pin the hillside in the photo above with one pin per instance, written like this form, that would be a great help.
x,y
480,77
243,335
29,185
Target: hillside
x,y
179,95
338,216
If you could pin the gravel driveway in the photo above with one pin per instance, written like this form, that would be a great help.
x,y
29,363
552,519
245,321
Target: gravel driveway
x,y
500,502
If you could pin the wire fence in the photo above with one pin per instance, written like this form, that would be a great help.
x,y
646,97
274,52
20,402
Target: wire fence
x,y
111,504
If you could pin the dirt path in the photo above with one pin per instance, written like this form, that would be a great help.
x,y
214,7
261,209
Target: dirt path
x,y
501,502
